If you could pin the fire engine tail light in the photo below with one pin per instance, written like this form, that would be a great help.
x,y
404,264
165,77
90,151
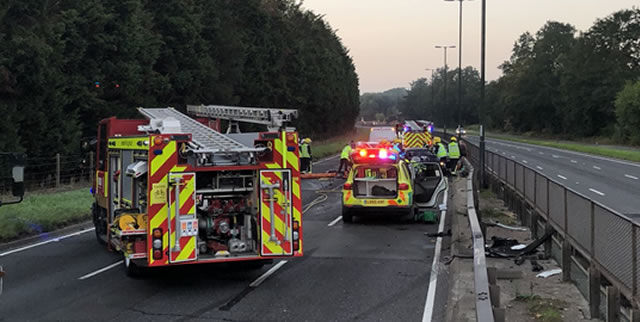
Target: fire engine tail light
x,y
157,243
296,235
403,186
363,153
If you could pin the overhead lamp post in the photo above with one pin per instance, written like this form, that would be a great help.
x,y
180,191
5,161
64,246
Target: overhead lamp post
x,y
483,44
432,94
444,79
459,62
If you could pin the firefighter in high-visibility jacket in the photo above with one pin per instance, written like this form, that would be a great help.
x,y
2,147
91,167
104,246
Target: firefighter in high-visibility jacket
x,y
440,149
305,156
454,154
345,158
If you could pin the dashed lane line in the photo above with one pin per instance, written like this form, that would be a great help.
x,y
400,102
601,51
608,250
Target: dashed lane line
x,y
268,273
562,177
525,161
574,161
102,270
539,167
631,177
335,221
597,168
596,191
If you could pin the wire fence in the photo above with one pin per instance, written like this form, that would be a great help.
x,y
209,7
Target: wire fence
x,y
46,172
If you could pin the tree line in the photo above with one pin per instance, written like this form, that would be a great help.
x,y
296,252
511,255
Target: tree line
x,y
557,81
64,65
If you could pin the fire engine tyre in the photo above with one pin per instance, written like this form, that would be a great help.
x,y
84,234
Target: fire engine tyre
x,y
133,270
347,216
99,216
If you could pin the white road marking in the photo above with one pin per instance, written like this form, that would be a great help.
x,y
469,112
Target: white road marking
x,y
541,152
631,177
335,221
56,239
504,153
268,273
327,159
596,191
597,168
562,177
574,161
555,156
525,161
513,156
104,269
433,279
539,167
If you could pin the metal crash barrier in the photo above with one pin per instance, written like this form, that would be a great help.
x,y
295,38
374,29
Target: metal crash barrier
x,y
597,247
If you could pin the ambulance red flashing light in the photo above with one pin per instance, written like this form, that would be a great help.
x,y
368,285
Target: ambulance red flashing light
x,y
374,156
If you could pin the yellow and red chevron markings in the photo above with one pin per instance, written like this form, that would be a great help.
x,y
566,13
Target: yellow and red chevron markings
x,y
415,139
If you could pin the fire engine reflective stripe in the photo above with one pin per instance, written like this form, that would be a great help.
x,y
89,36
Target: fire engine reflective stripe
x,y
402,196
188,250
136,143
280,222
160,161
393,202
415,140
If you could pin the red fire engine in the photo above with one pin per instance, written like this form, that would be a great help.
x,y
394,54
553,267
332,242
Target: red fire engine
x,y
171,190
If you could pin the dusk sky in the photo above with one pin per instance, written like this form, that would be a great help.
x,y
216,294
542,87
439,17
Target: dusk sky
x,y
392,42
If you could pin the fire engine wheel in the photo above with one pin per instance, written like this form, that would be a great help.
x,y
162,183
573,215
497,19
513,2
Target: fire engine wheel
x,y
100,224
347,216
133,270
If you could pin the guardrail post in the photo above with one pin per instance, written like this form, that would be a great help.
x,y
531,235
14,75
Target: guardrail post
x,y
613,304
594,292
566,260
57,170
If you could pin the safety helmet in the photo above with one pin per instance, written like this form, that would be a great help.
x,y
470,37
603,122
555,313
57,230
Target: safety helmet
x,y
437,139
397,141
307,140
383,142
453,139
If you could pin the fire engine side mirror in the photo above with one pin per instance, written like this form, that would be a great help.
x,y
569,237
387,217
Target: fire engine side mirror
x,y
17,188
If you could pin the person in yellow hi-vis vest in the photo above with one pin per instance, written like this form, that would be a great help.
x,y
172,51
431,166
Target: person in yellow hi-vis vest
x,y
305,156
345,158
454,155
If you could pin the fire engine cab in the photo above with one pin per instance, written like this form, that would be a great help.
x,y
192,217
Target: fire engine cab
x,y
171,190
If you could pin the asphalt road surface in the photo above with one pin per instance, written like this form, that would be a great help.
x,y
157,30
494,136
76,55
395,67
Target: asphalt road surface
x,y
614,183
372,270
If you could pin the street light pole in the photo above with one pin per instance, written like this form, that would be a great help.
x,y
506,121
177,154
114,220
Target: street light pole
x,y
444,79
459,63
483,44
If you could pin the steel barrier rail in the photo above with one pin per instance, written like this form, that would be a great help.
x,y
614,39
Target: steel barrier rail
x,y
608,240
484,309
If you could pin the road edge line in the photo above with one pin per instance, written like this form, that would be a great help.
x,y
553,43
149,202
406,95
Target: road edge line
x,y
55,239
268,273
433,278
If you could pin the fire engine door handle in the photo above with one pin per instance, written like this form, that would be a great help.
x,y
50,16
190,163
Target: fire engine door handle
x,y
176,246
270,188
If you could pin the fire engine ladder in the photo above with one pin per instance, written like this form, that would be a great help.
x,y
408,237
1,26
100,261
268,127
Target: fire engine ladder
x,y
208,141
273,118
414,125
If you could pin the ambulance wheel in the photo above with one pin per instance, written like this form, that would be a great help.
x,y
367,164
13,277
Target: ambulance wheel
x,y
133,270
347,217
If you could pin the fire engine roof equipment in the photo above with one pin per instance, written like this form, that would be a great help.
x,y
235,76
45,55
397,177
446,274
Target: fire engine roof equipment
x,y
273,118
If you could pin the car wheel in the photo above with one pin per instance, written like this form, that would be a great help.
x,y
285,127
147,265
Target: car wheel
x,y
347,217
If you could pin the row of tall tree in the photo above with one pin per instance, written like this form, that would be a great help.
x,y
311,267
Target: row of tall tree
x,y
563,82
557,81
64,65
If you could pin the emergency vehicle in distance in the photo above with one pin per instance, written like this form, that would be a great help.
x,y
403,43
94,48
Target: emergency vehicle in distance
x,y
171,190
381,181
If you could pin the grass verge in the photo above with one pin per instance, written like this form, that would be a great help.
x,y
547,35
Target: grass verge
x,y
42,212
543,309
325,148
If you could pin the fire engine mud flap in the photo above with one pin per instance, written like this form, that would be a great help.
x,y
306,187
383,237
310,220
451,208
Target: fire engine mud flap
x,y
276,213
183,231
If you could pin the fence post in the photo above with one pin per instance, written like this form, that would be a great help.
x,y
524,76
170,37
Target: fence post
x,y
57,170
594,292
613,304
91,173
